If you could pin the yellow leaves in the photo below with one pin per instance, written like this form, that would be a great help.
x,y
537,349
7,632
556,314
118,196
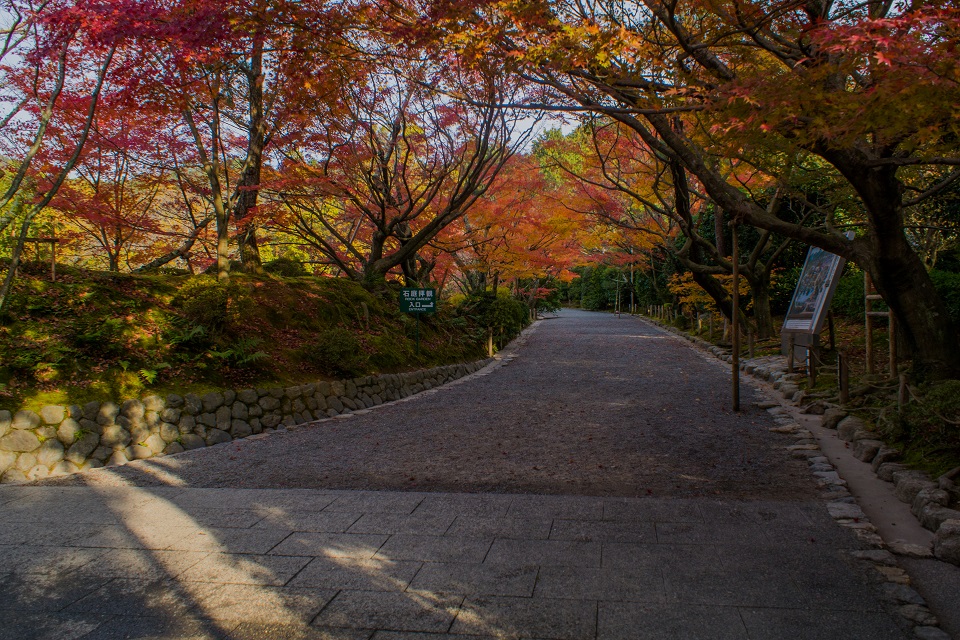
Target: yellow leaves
x,y
689,292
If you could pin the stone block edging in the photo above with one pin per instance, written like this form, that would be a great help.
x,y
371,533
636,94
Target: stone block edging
x,y
60,440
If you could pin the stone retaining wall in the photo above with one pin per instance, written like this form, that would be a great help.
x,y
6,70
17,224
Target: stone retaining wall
x,y
60,440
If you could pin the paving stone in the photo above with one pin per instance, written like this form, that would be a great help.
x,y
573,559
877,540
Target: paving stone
x,y
228,568
50,561
331,545
43,593
393,523
525,617
141,564
649,557
231,540
323,522
605,531
121,537
653,510
227,518
722,586
252,499
469,526
551,553
255,631
568,507
259,604
412,611
800,624
588,583
47,626
187,627
435,548
709,533
161,598
476,579
356,574
630,621
376,502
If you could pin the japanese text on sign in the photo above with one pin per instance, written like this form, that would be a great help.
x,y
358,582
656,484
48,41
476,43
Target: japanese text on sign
x,y
418,300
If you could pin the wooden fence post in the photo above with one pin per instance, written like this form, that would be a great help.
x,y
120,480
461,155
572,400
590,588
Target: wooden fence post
x,y
843,377
791,346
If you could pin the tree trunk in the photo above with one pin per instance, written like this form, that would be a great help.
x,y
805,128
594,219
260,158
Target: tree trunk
x,y
180,252
248,187
762,316
898,272
15,259
249,249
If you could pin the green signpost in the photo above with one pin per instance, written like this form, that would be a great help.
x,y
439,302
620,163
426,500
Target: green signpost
x,y
417,302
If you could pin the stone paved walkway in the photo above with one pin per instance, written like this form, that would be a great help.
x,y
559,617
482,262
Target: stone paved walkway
x,y
146,553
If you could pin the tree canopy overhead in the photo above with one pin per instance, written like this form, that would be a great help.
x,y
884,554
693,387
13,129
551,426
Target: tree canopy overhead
x,y
386,139
868,88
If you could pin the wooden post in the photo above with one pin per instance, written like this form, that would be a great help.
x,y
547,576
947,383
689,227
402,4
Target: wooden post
x,y
833,341
736,320
903,393
791,346
489,342
843,377
893,345
813,356
868,304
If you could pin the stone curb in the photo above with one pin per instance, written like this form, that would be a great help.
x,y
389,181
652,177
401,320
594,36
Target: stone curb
x,y
841,504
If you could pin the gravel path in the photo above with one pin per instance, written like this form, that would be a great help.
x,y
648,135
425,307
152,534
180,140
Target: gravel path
x,y
592,405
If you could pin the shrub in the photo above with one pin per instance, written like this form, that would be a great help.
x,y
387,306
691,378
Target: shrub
x,y
209,303
336,352
929,426
948,286
848,299
287,267
503,312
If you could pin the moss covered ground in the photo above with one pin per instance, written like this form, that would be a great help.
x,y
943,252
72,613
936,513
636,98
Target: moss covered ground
x,y
97,336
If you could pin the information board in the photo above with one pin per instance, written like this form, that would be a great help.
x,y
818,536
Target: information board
x,y
811,299
418,300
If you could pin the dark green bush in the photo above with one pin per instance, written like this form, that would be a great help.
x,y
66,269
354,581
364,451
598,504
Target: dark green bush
x,y
928,426
948,286
287,267
506,315
336,352
848,299
208,303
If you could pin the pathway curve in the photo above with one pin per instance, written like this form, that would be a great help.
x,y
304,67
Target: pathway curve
x,y
595,486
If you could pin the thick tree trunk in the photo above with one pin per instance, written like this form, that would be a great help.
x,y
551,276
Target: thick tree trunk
x,y
249,249
762,316
897,270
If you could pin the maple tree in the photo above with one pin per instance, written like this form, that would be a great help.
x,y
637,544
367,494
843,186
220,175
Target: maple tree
x,y
375,180
621,184
54,61
868,89
519,231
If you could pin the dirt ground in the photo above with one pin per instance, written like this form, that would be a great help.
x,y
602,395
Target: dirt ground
x,y
592,405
